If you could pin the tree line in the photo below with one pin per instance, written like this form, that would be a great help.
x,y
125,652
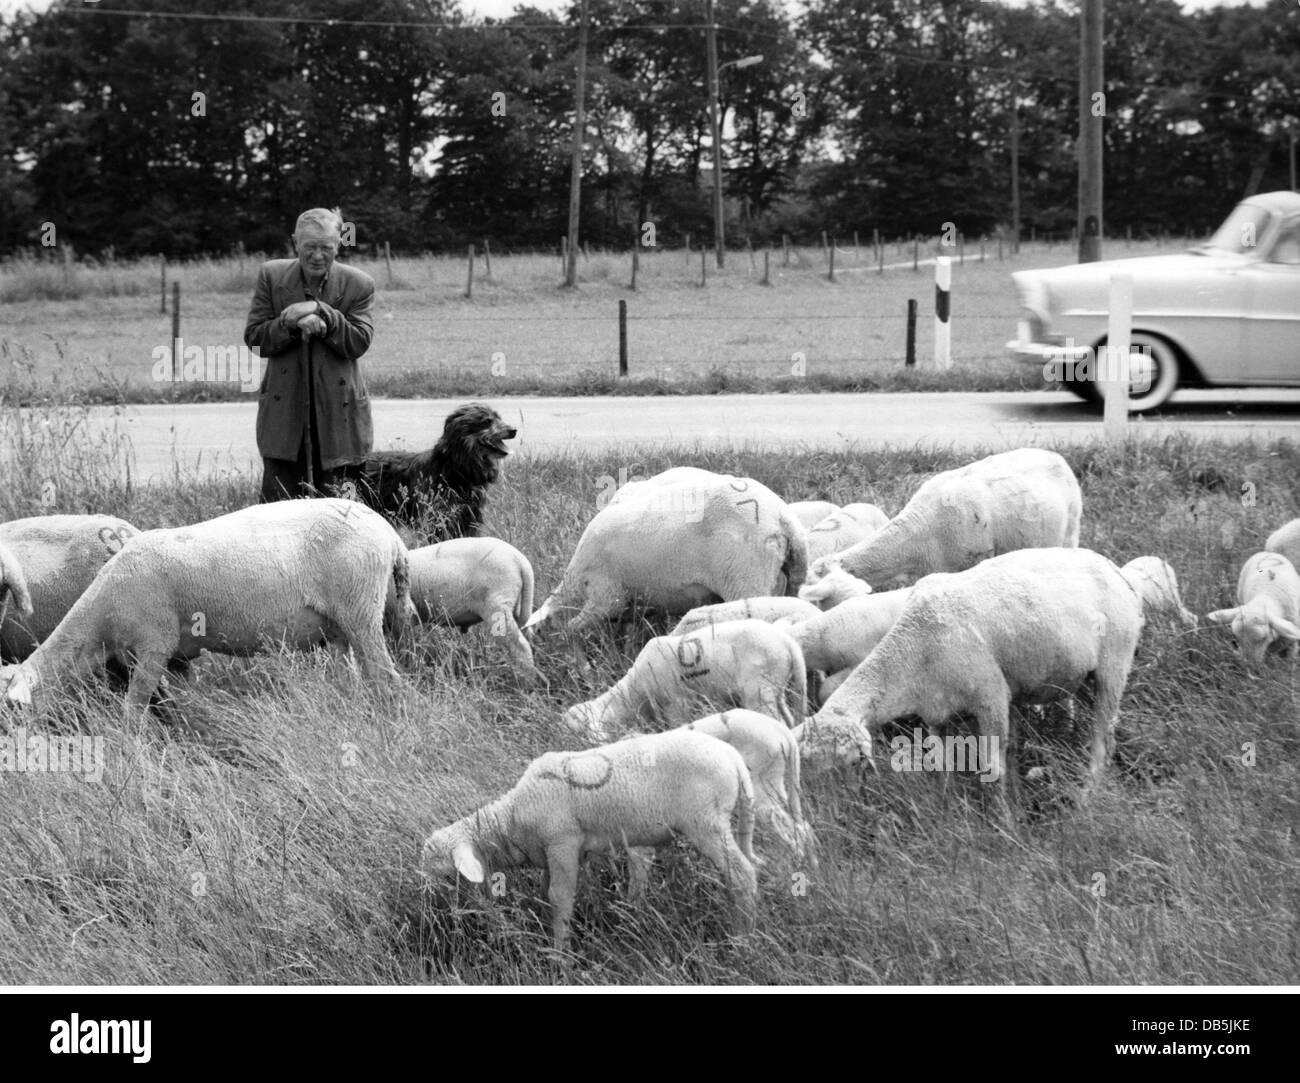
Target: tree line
x,y
135,131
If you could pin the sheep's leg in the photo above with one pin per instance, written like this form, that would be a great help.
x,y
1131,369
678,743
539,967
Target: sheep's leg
x,y
562,888
146,675
521,652
993,721
639,861
1105,714
372,652
739,872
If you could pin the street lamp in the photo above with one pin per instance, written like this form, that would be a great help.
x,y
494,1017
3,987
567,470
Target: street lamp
x,y
714,68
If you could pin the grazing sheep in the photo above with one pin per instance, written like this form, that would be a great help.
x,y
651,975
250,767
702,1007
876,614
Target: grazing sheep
x,y
1285,540
834,588
1267,614
59,556
639,792
842,529
1029,625
811,512
772,756
13,587
768,609
1028,498
468,581
842,637
683,538
297,572
744,663
1157,586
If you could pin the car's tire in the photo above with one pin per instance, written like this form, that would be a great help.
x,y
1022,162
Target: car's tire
x,y
1164,373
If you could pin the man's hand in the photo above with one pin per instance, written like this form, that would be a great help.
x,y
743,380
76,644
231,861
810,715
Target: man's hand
x,y
312,325
295,312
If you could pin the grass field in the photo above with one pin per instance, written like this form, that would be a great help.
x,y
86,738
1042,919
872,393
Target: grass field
x,y
523,334
274,840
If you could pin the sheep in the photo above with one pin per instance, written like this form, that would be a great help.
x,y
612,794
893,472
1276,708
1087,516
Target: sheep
x,y
1157,586
13,588
1267,610
744,663
59,556
297,571
638,792
467,581
1020,499
834,588
768,609
772,756
842,637
850,525
811,512
1030,624
1285,540
683,538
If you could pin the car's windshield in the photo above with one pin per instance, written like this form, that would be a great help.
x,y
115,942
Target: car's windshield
x,y
1241,231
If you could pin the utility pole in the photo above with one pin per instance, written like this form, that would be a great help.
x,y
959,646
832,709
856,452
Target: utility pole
x,y
1091,117
575,169
1015,171
711,33
1291,135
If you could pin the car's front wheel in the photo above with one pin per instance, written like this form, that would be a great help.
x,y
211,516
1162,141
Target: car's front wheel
x,y
1153,372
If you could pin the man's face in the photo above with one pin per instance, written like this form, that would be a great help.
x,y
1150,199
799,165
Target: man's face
x,y
317,247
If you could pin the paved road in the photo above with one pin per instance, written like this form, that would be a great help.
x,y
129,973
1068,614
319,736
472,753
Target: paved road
x,y
220,436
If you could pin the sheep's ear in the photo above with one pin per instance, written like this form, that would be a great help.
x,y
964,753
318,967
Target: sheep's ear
x,y
1284,628
1223,616
469,862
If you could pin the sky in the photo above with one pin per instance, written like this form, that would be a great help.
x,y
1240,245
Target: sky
x,y
498,8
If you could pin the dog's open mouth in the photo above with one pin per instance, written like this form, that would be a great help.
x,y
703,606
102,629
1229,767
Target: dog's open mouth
x,y
496,442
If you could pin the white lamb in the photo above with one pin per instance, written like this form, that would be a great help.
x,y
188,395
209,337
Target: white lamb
x,y
811,512
13,588
834,588
469,581
1028,498
846,527
772,755
639,792
842,637
683,538
1267,612
1026,626
1157,586
59,556
1285,540
767,609
744,663
297,572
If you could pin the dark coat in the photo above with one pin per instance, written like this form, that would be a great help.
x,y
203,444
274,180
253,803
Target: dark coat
x,y
343,432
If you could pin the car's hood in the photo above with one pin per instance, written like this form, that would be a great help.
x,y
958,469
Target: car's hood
x,y
1086,282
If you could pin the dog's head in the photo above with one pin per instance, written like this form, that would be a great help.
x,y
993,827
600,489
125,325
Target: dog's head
x,y
476,435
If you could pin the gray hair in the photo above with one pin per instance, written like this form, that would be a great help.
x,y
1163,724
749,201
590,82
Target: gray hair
x,y
329,220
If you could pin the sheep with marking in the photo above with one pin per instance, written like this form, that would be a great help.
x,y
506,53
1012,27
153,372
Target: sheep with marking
x,y
470,581
57,556
1030,626
639,792
811,512
1157,586
298,572
772,755
834,588
1267,614
744,663
1022,499
683,538
1285,540
768,609
842,637
843,529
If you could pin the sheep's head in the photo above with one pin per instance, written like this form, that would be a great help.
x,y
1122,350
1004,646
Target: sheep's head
x,y
831,739
447,852
1255,631
832,586
21,680
584,718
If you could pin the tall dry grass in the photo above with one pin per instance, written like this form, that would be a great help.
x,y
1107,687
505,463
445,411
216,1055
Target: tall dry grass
x,y
269,833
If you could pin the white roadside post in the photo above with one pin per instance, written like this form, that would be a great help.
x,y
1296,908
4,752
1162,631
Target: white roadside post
x,y
942,312
1114,371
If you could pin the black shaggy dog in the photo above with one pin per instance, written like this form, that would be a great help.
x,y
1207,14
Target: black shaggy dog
x,y
440,493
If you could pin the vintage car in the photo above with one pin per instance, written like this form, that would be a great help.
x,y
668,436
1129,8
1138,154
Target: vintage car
x,y
1223,314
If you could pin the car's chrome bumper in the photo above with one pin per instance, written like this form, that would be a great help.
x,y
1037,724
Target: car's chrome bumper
x,y
1044,353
